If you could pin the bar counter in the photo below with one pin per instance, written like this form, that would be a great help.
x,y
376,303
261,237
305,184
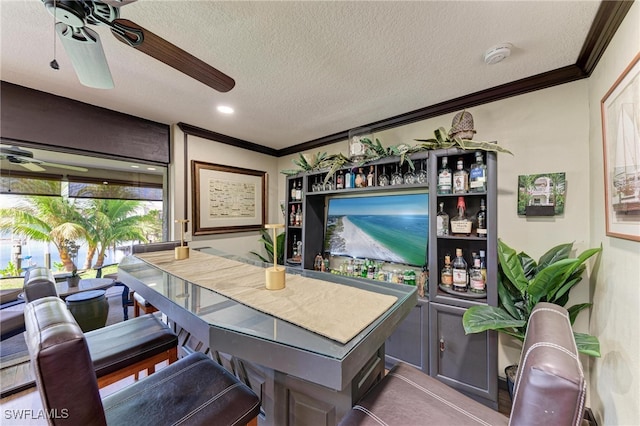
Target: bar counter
x,y
300,376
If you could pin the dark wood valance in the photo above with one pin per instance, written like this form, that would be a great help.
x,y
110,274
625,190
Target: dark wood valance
x,y
32,116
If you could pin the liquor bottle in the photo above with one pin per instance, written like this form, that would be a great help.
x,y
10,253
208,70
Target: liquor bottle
x,y
299,190
478,175
442,222
460,179
383,179
476,280
318,262
423,281
460,274
294,248
299,216
292,216
444,178
460,224
481,231
293,191
371,181
347,179
361,179
410,277
340,180
446,276
483,265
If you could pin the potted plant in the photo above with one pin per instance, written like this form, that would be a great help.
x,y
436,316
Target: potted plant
x,y
268,246
522,283
71,248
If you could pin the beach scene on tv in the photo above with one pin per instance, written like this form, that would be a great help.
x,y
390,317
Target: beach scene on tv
x,y
390,228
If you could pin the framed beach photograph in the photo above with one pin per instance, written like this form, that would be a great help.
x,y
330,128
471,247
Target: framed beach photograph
x,y
227,199
620,109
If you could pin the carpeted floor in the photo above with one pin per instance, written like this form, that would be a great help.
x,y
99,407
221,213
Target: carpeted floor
x,y
14,350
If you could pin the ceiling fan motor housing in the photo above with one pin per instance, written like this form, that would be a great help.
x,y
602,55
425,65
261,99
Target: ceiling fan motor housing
x,y
68,12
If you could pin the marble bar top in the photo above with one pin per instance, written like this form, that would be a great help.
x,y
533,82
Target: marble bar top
x,y
329,309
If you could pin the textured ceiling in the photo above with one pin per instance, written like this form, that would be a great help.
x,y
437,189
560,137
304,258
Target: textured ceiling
x,y
303,69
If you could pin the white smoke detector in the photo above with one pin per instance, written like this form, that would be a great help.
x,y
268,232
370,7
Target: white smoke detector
x,y
497,53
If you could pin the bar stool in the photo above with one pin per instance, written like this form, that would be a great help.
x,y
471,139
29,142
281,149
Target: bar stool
x,y
141,304
194,390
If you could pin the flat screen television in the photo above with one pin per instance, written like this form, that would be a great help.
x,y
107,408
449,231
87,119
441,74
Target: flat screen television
x,y
391,227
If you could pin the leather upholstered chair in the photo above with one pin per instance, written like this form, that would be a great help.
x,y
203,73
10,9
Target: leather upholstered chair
x,y
11,313
39,282
120,350
550,388
194,390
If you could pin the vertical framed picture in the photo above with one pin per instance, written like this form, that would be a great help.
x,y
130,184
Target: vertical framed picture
x,y
620,110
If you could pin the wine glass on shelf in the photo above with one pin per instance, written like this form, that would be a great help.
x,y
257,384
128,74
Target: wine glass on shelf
x,y
328,186
314,187
396,177
410,177
383,178
423,176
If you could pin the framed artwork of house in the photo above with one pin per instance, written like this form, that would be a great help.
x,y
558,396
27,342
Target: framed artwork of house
x,y
541,194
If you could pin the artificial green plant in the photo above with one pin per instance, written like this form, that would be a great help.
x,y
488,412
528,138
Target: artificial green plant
x,y
523,282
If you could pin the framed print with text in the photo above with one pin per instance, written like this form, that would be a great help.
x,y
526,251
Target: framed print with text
x,y
227,199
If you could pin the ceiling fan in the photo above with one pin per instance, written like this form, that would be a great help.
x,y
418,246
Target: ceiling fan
x,y
24,158
84,48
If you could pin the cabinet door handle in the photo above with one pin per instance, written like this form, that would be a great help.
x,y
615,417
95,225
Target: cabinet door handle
x,y
441,344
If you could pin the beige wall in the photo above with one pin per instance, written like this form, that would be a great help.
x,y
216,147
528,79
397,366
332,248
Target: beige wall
x,y
615,378
200,149
552,130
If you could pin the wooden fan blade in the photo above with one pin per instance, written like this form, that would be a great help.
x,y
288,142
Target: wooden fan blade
x,y
172,55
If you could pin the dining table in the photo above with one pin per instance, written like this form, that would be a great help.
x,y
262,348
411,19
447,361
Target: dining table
x,y
309,351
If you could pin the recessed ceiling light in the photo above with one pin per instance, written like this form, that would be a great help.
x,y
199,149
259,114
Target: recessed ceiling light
x,y
135,167
224,109
151,168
